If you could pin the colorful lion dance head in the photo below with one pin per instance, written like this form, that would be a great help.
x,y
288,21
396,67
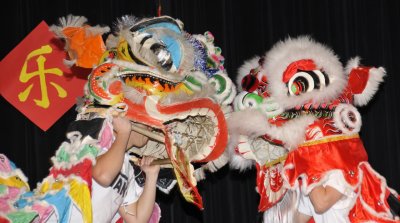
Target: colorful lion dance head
x,y
156,74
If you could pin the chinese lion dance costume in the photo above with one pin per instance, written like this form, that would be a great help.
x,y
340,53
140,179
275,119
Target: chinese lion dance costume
x,y
296,119
156,74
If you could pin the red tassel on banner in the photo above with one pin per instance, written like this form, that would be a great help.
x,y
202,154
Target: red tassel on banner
x,y
159,9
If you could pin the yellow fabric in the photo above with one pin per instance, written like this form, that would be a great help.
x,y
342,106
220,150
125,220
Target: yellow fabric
x,y
186,192
80,194
14,181
123,53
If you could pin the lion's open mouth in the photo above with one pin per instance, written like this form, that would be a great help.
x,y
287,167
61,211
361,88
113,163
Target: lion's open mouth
x,y
148,82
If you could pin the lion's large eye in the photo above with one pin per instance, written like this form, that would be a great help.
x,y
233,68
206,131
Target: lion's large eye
x,y
149,50
164,58
306,81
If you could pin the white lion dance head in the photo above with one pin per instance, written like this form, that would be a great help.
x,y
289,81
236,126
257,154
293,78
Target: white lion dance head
x,y
296,119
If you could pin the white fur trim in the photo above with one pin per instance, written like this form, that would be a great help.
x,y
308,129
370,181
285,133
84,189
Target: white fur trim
x,y
199,174
343,121
69,63
351,64
303,47
125,23
238,162
249,122
292,133
73,148
253,123
375,78
211,166
97,30
77,21
133,95
112,41
68,21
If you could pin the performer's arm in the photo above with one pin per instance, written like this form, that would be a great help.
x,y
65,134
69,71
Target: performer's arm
x,y
109,164
324,198
301,218
140,211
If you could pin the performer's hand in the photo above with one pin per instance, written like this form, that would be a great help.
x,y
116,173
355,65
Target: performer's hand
x,y
151,171
138,140
121,125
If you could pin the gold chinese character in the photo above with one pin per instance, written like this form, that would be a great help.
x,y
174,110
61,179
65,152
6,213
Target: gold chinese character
x,y
41,73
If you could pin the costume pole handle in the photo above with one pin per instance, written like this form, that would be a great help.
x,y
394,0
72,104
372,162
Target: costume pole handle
x,y
148,133
155,162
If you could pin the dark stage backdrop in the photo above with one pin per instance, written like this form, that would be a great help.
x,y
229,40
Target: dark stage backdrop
x,y
370,29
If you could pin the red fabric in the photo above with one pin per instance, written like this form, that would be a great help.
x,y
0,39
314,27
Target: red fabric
x,y
316,160
358,79
182,172
294,67
36,81
95,86
372,188
349,156
250,83
138,113
321,128
120,220
4,220
265,201
83,170
201,103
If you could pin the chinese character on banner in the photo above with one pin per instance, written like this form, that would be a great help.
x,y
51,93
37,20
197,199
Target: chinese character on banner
x,y
35,80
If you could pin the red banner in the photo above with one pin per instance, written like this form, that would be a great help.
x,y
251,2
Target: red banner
x,y
35,80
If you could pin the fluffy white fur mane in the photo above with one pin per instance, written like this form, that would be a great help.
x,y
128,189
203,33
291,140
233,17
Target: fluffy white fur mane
x,y
294,49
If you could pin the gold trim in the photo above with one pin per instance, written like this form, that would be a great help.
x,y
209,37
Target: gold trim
x,y
276,161
330,139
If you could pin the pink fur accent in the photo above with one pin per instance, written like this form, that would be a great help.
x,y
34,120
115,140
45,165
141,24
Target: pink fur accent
x,y
156,215
106,137
6,199
44,210
4,164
